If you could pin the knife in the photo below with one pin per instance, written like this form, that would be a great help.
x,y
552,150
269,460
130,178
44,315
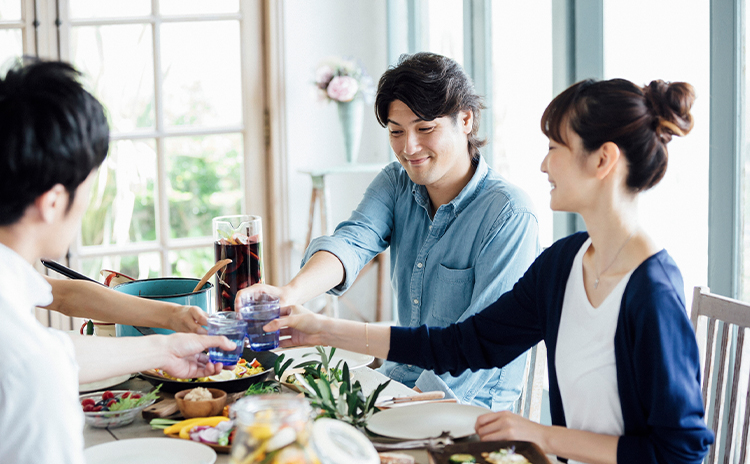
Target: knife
x,y
434,395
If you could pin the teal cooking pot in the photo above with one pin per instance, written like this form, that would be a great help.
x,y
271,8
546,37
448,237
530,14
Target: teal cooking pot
x,y
170,289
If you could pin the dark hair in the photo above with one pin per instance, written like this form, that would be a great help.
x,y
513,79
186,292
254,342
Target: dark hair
x,y
432,86
52,131
641,121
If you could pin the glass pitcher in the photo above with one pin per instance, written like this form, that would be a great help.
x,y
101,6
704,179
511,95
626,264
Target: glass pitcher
x,y
237,238
273,429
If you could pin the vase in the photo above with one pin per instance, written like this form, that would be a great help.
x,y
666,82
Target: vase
x,y
351,115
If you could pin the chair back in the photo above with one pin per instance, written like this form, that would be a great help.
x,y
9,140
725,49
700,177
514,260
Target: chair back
x,y
725,376
531,397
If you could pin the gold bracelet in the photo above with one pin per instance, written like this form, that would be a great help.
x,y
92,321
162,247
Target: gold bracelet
x,y
367,340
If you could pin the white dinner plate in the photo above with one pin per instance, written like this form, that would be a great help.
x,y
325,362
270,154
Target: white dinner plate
x,y
353,360
103,384
150,451
426,420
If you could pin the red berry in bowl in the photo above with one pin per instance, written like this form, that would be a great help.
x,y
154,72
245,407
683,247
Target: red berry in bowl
x,y
88,407
97,408
125,395
111,402
88,401
136,396
107,395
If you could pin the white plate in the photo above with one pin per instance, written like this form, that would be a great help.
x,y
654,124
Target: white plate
x,y
150,451
354,360
428,420
103,384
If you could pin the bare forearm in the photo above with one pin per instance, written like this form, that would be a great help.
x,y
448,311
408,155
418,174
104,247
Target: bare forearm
x,y
321,272
359,337
589,447
104,357
86,299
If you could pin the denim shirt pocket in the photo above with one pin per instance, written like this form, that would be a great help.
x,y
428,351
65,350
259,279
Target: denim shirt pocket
x,y
452,294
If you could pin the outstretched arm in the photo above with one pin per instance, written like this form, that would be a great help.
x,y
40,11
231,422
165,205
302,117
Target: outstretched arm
x,y
78,298
307,328
321,273
180,355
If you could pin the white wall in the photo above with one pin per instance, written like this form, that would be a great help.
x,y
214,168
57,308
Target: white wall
x,y
314,31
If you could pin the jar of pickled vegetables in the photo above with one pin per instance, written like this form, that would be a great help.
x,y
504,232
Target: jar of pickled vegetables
x,y
273,429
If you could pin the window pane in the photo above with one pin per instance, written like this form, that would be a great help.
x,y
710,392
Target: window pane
x,y
10,10
201,86
121,209
521,30
108,8
204,182
444,25
140,266
117,61
11,47
631,51
198,6
191,263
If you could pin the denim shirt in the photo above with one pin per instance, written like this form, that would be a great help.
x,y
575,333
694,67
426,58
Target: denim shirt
x,y
443,269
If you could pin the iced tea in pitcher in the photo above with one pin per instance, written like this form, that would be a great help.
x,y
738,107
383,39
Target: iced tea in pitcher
x,y
237,238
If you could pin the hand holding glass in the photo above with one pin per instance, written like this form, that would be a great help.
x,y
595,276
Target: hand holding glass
x,y
234,328
258,309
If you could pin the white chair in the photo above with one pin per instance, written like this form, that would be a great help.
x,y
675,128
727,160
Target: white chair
x,y
531,397
723,396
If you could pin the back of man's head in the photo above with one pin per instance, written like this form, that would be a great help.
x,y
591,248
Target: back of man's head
x,y
52,131
432,86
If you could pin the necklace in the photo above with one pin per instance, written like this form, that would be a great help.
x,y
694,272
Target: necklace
x,y
599,274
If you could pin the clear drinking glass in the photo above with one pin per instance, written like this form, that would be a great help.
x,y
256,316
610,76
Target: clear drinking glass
x,y
234,328
258,309
272,429
237,238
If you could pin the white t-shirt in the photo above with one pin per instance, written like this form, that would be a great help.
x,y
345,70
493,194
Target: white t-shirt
x,y
41,420
585,356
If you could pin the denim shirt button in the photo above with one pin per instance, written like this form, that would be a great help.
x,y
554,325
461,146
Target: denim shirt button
x,y
419,265
430,227
416,301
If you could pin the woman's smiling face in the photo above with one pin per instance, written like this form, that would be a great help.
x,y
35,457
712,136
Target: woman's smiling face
x,y
565,166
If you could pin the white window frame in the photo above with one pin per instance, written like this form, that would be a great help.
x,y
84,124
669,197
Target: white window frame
x,y
253,180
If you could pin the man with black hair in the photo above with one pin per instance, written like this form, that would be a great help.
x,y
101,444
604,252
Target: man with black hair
x,y
460,235
53,137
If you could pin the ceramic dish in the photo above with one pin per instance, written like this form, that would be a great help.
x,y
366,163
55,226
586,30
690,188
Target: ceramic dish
x,y
530,451
426,420
103,384
150,451
265,358
223,449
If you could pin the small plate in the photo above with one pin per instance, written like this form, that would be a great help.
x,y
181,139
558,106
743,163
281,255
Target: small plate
x,y
103,384
529,450
427,420
224,449
150,451
354,360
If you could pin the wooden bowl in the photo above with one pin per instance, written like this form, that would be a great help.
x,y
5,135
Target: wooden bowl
x,y
206,408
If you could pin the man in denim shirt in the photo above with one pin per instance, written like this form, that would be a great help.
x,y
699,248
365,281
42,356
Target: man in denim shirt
x,y
460,234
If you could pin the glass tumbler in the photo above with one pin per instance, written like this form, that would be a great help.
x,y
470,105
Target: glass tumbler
x,y
258,309
234,328
237,238
272,429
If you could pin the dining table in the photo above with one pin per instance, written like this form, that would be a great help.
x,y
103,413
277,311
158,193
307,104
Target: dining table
x,y
140,428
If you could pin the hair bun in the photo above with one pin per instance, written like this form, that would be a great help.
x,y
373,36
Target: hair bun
x,y
670,103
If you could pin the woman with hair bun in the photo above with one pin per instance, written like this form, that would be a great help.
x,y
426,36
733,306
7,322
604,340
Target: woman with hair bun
x,y
624,369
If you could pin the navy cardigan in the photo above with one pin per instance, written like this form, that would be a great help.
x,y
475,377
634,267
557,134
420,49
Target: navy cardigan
x,y
656,354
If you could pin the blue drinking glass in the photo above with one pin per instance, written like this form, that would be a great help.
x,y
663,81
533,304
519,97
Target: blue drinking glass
x,y
230,325
258,309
